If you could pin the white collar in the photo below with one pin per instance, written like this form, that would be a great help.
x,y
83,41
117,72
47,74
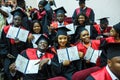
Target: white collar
x,y
111,74
62,24
39,53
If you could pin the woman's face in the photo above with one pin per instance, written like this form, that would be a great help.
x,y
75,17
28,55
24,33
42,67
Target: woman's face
x,y
36,28
81,19
84,36
62,40
113,33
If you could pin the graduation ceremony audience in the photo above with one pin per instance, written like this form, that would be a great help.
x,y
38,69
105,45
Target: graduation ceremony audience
x,y
42,34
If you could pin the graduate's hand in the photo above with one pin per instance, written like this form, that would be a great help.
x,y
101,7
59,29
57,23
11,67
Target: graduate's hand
x,y
12,68
87,61
81,55
42,62
10,56
30,38
66,62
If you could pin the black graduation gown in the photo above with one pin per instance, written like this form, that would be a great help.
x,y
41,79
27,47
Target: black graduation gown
x,y
11,48
67,71
43,74
91,17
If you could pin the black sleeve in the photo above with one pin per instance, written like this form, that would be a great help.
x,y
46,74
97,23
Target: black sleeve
x,y
93,33
89,78
92,16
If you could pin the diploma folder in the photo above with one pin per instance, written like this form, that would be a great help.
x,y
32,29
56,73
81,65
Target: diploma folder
x,y
92,54
17,33
26,66
70,53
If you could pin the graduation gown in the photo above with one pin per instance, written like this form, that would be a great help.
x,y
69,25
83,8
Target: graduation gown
x,y
95,44
67,71
107,30
9,46
101,74
43,74
87,11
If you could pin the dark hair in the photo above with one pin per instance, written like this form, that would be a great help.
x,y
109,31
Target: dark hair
x,y
86,19
32,24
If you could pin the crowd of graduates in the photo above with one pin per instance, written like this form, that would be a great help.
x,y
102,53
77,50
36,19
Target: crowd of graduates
x,y
51,25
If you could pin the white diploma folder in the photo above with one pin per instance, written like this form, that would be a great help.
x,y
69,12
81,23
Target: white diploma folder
x,y
72,29
36,37
92,54
26,66
70,53
17,33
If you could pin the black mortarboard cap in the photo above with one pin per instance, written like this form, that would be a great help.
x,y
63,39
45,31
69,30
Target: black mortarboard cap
x,y
113,50
117,27
18,12
43,36
82,1
104,20
62,31
60,10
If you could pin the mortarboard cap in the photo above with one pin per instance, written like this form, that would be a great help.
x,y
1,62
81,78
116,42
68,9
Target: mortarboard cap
x,y
82,1
113,50
62,31
43,36
104,20
18,12
60,10
117,27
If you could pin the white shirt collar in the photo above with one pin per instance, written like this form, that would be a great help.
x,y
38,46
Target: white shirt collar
x,y
39,53
60,24
111,74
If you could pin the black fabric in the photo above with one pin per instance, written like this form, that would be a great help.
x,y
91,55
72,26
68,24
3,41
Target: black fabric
x,y
90,78
117,27
60,10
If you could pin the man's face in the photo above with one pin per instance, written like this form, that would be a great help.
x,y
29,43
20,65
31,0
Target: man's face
x,y
114,65
43,44
60,17
17,20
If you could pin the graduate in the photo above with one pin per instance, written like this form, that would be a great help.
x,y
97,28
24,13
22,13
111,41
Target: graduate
x,y
84,43
103,29
114,38
112,70
82,21
36,29
84,9
60,15
12,47
67,67
44,54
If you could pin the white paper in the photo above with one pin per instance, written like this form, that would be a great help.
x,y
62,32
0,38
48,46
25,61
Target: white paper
x,y
23,34
95,56
88,28
12,32
71,27
18,33
21,63
32,68
62,55
73,53
70,53
36,36
89,53
26,66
